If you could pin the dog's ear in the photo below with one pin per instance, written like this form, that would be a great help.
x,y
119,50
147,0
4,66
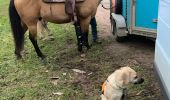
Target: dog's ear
x,y
126,78
123,79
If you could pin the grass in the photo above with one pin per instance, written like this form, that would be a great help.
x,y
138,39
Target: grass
x,y
3,7
28,79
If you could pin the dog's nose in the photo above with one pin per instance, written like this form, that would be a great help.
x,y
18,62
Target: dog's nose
x,y
139,81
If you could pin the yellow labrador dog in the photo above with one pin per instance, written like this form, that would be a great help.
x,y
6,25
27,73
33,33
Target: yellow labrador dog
x,y
113,87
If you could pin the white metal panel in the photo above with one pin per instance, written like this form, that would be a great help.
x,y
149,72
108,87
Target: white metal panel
x,y
120,20
162,50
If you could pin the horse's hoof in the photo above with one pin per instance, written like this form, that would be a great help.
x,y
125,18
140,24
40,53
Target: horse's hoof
x,y
88,47
18,57
80,49
42,57
49,38
44,61
97,42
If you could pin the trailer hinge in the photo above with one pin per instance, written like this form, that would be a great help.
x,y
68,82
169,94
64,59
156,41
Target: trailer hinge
x,y
133,2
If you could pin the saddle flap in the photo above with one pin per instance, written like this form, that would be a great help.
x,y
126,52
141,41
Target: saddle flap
x,y
59,1
69,7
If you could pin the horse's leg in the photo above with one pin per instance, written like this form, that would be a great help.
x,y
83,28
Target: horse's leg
x,y
18,50
79,36
84,23
24,26
37,49
45,24
50,34
86,42
33,39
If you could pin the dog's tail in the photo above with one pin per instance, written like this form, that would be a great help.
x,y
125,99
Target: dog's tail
x,y
103,97
103,87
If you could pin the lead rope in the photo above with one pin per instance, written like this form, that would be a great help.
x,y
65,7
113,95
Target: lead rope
x,y
104,6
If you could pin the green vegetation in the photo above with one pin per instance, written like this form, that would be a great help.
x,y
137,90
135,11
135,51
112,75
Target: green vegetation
x,y
29,78
4,7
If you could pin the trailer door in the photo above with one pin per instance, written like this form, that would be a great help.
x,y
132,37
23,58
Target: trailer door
x,y
146,12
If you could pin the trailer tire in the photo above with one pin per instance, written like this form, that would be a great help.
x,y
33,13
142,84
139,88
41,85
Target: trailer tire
x,y
118,7
120,39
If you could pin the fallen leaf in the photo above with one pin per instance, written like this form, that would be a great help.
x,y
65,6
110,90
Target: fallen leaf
x,y
82,59
90,73
96,64
78,71
57,93
139,92
54,82
64,74
83,55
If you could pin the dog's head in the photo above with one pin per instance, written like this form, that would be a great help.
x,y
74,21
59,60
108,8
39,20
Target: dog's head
x,y
126,75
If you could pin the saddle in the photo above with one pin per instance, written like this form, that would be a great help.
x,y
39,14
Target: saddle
x,y
60,1
69,6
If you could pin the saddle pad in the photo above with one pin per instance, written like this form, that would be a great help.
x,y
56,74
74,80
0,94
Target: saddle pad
x,y
59,1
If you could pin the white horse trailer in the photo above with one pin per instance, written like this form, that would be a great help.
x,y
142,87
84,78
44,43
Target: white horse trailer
x,y
162,50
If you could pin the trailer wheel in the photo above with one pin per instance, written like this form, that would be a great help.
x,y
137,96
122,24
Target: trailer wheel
x,y
120,39
113,26
114,32
118,7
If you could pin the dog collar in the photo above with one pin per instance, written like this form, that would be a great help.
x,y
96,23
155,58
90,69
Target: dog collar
x,y
114,87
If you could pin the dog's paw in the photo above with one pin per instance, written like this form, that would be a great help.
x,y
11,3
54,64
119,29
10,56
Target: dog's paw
x,y
103,97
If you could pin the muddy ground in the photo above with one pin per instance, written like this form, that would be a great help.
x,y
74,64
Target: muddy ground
x,y
30,79
135,51
103,59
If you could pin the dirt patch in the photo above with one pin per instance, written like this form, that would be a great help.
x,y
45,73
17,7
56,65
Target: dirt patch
x,y
29,78
137,51
102,60
103,22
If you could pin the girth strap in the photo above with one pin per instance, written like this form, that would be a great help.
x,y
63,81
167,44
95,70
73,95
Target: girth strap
x,y
71,10
59,1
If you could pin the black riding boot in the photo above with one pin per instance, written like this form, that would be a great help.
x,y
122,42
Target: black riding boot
x,y
79,36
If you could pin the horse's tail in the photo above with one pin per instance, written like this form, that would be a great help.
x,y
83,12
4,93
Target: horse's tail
x,y
16,27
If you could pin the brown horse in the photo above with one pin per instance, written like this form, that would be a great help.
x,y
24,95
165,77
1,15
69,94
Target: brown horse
x,y
24,15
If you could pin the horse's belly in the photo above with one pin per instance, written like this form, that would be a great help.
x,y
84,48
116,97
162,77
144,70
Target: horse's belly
x,y
54,13
57,19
